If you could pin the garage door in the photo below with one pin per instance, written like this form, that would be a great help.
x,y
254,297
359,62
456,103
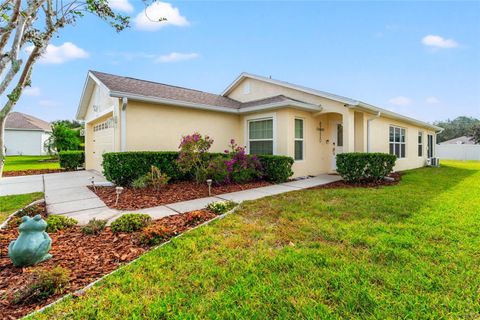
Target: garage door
x,y
102,141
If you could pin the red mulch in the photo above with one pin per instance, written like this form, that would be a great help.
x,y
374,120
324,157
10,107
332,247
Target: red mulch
x,y
88,257
397,176
132,199
31,172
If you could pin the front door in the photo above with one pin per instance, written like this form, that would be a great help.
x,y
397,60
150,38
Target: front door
x,y
430,146
337,143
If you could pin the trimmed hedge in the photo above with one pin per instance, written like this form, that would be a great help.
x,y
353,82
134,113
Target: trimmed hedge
x,y
357,166
122,168
71,160
276,168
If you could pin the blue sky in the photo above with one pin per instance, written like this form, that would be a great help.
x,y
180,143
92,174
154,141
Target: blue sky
x,y
420,59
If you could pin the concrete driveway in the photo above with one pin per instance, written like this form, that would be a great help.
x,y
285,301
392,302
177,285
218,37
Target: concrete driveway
x,y
65,192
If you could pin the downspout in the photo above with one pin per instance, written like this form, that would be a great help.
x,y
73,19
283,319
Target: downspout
x,y
368,130
123,124
434,154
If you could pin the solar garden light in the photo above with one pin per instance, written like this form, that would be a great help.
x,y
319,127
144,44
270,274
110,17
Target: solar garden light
x,y
118,191
93,184
209,183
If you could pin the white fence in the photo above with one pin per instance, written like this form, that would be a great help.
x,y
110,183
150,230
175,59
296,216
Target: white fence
x,y
458,151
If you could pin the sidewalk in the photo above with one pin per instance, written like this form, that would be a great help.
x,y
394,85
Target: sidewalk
x,y
84,215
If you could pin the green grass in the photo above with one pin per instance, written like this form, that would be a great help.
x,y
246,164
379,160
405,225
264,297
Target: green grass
x,y
10,204
409,251
19,163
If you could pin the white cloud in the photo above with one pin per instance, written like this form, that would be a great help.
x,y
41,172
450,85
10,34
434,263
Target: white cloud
x,y
400,101
31,91
49,103
439,42
121,5
60,54
432,100
176,56
148,19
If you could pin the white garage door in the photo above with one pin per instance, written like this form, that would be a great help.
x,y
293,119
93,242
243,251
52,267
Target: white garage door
x,y
102,141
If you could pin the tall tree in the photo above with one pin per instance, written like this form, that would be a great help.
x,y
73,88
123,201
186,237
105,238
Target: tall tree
x,y
475,133
460,126
34,23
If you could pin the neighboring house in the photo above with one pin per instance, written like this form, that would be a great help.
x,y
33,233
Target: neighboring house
x,y
461,148
265,115
25,134
459,140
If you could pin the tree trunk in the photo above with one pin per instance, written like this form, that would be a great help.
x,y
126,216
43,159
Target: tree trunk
x,y
2,143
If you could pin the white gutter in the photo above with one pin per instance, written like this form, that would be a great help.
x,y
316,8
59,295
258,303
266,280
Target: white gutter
x,y
394,115
369,130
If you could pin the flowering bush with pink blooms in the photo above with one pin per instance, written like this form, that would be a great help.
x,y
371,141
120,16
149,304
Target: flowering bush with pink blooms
x,y
242,167
193,155
238,166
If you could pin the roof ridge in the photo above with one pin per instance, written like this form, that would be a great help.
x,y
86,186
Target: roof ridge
x,y
160,83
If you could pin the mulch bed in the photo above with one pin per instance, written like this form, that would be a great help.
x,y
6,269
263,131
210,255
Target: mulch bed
x,y
31,172
397,176
132,199
88,257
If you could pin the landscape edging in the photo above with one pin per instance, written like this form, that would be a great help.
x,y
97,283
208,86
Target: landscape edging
x,y
90,285
5,223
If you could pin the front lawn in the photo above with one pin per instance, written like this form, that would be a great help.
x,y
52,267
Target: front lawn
x,y
21,163
405,251
10,204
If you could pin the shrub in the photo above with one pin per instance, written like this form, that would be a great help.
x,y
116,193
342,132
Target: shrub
x,y
192,156
122,168
71,160
42,285
357,166
130,222
56,223
195,217
156,234
241,167
276,168
220,207
217,170
155,178
94,226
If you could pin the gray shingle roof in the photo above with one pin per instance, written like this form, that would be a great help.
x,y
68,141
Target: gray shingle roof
x,y
160,90
459,140
18,120
274,99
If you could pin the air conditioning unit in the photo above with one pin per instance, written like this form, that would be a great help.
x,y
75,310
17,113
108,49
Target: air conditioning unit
x,y
96,107
433,162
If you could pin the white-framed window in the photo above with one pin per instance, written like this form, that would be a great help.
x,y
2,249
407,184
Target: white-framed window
x,y
397,141
420,143
299,142
260,136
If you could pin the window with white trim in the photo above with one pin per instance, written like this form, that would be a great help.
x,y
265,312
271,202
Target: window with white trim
x,y
299,145
260,136
397,141
420,143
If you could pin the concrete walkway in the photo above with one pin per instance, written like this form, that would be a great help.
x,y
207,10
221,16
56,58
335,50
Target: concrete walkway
x,y
67,194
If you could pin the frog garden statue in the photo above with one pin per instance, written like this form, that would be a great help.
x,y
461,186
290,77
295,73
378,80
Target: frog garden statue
x,y
33,243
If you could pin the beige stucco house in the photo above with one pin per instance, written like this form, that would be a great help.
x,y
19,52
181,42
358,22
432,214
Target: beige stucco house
x,y
267,116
